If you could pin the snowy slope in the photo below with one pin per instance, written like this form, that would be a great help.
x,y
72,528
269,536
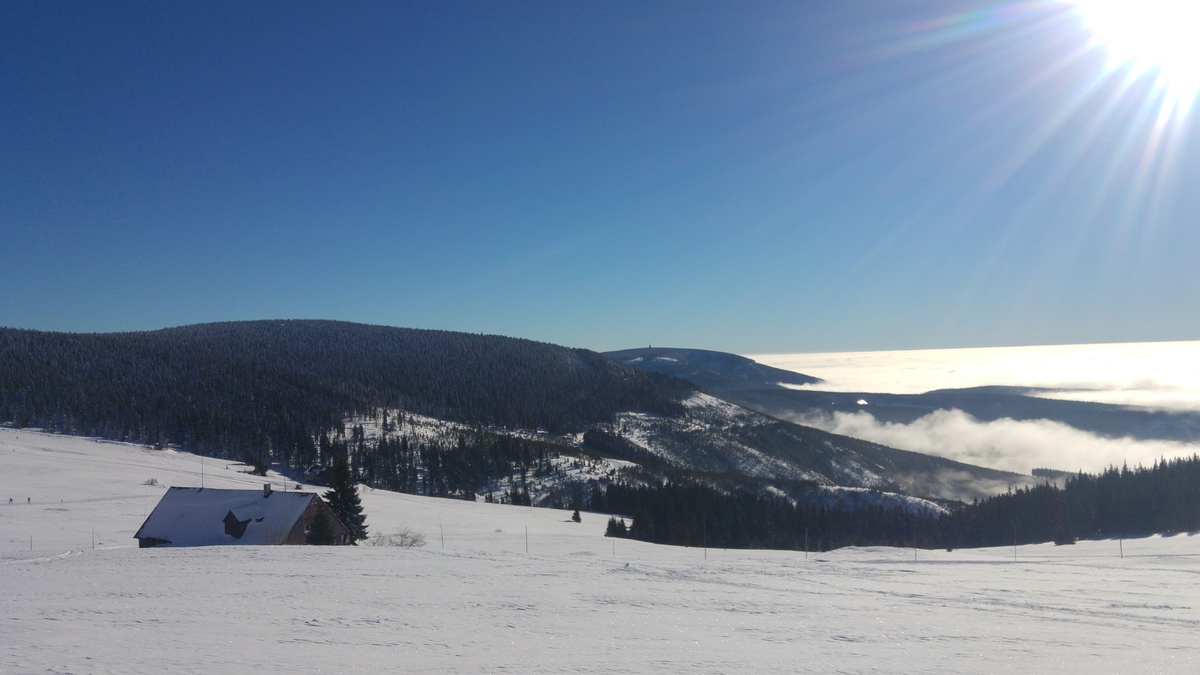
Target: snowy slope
x,y
701,440
720,437
574,601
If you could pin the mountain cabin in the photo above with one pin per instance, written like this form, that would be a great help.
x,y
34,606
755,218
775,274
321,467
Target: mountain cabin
x,y
190,516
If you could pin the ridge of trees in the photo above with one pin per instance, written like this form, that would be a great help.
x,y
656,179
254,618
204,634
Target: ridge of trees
x,y
262,390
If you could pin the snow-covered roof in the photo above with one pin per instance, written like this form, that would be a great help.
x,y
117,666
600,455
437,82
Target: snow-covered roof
x,y
189,516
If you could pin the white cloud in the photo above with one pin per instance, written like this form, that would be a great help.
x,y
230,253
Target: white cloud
x,y
1163,375
1005,444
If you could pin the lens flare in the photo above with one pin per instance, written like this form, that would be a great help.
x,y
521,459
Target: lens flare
x,y
1156,38
1115,92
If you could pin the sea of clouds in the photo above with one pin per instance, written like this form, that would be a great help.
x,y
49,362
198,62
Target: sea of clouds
x,y
1162,375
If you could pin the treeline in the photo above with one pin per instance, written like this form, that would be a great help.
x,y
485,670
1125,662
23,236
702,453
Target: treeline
x,y
1164,498
696,515
1116,503
264,390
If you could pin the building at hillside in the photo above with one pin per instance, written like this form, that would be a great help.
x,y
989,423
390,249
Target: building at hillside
x,y
188,516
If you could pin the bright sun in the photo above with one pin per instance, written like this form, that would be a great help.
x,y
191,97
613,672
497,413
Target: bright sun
x,y
1155,37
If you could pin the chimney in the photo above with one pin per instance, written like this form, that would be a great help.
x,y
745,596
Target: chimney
x,y
266,490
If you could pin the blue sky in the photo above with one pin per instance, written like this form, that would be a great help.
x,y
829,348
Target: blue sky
x,y
749,176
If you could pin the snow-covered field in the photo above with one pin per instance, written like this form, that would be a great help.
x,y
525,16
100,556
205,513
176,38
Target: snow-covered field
x,y
574,601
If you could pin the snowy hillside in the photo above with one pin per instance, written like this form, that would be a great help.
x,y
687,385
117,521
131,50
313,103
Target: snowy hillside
x,y
515,589
718,437
712,440
706,439
550,469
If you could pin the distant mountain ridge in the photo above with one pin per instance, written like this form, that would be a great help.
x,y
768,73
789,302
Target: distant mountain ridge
x,y
238,386
983,403
714,371
744,382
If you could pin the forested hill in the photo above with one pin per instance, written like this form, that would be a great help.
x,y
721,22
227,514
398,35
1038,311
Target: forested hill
x,y
237,387
716,372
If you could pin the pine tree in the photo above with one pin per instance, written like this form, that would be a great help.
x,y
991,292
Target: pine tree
x,y
344,502
616,528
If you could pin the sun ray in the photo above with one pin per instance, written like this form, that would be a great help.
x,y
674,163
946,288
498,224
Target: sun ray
x,y
1088,145
1154,38
1145,77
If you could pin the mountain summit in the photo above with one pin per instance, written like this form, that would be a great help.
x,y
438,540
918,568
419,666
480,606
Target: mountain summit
x,y
713,371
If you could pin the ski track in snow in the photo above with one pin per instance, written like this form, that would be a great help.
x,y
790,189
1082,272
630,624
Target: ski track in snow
x,y
575,602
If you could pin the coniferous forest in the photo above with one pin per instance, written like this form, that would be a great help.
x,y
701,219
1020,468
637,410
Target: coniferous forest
x,y
1164,498
264,390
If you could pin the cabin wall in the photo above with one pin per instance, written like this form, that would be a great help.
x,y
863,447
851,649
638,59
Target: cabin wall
x,y
299,533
